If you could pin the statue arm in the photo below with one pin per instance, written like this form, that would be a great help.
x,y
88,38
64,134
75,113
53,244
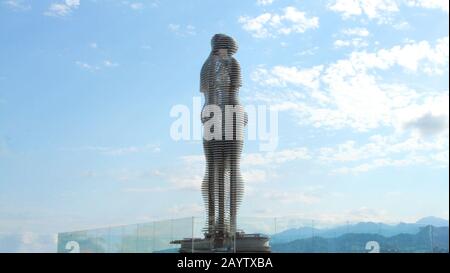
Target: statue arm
x,y
235,74
204,77
236,81
245,118
205,85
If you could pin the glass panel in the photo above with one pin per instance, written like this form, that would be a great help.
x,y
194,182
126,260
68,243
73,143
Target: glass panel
x,y
287,234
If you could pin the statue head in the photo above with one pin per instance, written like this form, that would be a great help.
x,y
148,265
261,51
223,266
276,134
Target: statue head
x,y
222,41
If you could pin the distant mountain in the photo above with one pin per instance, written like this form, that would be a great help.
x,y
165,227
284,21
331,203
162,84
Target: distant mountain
x,y
362,227
434,221
428,239
295,233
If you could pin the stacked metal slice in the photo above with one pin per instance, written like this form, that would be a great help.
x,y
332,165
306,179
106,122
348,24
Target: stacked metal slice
x,y
222,187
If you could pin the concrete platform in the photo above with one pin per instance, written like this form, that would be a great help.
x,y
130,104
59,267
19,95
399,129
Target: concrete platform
x,y
245,243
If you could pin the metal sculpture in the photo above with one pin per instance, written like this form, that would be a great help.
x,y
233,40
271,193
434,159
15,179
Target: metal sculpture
x,y
223,119
222,186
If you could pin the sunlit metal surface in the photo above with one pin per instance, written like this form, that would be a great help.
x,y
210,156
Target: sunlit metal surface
x,y
222,186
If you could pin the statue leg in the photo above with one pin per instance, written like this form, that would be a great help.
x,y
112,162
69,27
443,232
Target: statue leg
x,y
220,170
208,188
236,182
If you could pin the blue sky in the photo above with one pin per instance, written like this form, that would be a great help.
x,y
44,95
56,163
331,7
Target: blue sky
x,y
86,88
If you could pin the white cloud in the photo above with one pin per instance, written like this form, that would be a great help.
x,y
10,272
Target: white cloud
x,y
355,42
128,175
345,86
429,4
358,31
365,214
278,157
254,176
136,6
287,197
373,9
186,181
354,37
87,66
349,94
186,210
260,159
256,25
118,151
382,10
62,9
294,218
18,5
282,76
255,166
264,2
403,25
146,189
425,142
409,56
341,43
139,5
108,63
386,150
272,24
182,31
27,242
384,162
96,67
309,51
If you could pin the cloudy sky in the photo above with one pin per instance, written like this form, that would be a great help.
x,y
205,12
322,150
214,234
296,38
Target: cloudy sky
x,y
86,88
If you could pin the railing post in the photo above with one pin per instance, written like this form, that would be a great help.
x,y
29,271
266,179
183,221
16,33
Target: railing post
x,y
171,229
234,242
275,225
137,238
192,242
109,240
153,237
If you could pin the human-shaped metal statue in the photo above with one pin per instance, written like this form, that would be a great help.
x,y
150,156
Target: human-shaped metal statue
x,y
224,119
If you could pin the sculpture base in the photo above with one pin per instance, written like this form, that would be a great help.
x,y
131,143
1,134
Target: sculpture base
x,y
243,243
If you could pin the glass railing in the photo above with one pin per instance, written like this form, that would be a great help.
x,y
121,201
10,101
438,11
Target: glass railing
x,y
285,234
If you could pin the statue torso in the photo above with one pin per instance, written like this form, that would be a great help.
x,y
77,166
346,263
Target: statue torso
x,y
217,81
